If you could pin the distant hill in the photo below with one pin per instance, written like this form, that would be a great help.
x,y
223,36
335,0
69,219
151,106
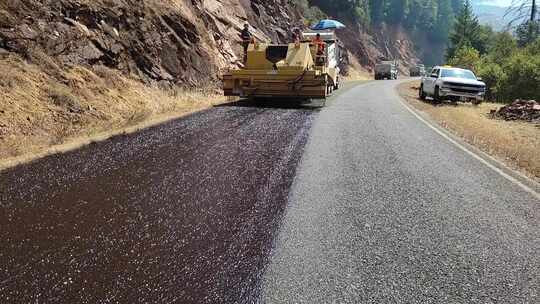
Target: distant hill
x,y
492,15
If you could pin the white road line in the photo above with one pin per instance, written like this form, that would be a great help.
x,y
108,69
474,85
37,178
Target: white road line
x,y
474,155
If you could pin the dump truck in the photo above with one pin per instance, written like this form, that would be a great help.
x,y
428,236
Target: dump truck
x,y
299,70
386,70
417,70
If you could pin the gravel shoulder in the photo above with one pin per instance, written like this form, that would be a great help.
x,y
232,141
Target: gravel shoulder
x,y
512,142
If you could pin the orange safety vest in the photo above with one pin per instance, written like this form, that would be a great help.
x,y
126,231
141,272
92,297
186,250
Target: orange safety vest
x,y
320,44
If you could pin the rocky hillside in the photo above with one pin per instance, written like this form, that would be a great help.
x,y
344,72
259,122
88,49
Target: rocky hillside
x,y
178,41
83,66
185,42
381,42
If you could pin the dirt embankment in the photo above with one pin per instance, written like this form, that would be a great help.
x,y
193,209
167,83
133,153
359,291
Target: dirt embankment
x,y
368,47
72,68
514,142
178,41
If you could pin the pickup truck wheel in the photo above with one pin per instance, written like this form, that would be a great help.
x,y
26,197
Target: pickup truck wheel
x,y
421,93
436,96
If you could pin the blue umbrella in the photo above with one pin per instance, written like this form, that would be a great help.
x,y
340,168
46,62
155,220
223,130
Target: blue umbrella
x,y
328,24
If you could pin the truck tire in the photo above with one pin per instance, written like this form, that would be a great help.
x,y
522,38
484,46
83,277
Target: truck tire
x,y
436,96
421,93
476,102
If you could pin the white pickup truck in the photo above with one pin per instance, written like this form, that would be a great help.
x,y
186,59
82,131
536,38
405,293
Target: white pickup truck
x,y
448,83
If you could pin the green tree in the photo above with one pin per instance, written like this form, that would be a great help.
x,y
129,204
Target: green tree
x,y
484,39
456,5
503,46
528,32
444,21
397,11
533,49
523,72
494,77
511,72
466,30
377,10
466,57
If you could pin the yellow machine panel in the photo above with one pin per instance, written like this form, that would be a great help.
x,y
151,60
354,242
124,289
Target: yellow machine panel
x,y
281,71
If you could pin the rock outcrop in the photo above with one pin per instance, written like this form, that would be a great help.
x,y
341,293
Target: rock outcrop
x,y
379,43
181,42
75,67
188,43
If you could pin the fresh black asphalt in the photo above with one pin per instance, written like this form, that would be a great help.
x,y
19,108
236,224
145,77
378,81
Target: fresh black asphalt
x,y
180,213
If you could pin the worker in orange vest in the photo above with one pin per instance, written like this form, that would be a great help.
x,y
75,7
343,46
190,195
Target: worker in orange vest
x,y
320,44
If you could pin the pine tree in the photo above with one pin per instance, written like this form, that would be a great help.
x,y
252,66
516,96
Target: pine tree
x,y
466,30
397,11
456,5
528,32
377,10
445,18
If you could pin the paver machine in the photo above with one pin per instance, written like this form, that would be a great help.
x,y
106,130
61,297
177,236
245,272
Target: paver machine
x,y
298,71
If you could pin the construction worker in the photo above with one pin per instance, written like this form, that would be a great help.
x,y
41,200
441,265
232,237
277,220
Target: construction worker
x,y
296,35
295,38
247,38
320,45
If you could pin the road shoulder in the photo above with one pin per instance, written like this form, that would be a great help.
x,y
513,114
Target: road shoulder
x,y
476,143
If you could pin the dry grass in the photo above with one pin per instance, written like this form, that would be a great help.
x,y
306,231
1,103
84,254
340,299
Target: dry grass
x,y
356,71
515,143
40,114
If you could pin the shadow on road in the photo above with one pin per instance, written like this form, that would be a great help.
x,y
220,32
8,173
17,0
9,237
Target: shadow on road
x,y
279,103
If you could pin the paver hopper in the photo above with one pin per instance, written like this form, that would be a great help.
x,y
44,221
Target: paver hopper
x,y
296,70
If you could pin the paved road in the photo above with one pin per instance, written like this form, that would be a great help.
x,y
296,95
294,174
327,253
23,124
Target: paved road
x,y
185,212
384,210
356,203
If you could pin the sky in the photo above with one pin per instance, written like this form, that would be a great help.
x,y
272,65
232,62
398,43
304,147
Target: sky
x,y
497,2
